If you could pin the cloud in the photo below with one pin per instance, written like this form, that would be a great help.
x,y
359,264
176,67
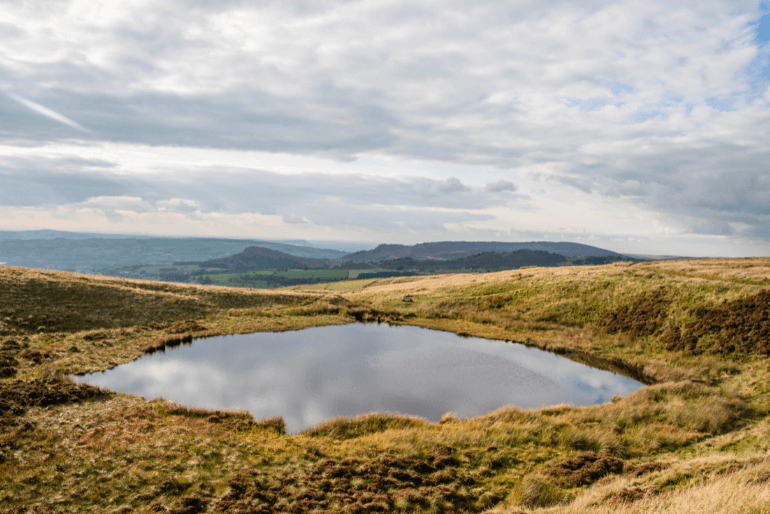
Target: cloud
x,y
294,219
45,111
451,185
122,203
53,181
459,88
349,202
177,205
41,180
500,186
666,178
647,106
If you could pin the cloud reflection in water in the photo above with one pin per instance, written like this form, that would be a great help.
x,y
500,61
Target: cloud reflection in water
x,y
310,375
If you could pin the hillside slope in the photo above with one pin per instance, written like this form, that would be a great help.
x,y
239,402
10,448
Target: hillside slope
x,y
40,302
694,440
486,260
255,258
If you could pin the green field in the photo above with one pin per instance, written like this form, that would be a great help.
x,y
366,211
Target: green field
x,y
355,272
319,273
250,279
150,271
321,278
233,280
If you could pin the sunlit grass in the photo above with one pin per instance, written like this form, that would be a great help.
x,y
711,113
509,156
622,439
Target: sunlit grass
x,y
695,440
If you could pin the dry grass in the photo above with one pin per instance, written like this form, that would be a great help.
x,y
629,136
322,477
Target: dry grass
x,y
37,301
740,487
695,440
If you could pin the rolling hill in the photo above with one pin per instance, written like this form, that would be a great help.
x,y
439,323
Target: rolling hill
x,y
460,249
486,260
255,258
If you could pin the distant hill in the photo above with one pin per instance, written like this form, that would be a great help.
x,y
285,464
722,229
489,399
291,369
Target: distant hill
x,y
28,235
255,258
86,255
486,260
461,249
647,257
330,248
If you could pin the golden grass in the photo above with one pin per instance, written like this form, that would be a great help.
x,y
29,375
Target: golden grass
x,y
35,301
743,491
695,440
346,285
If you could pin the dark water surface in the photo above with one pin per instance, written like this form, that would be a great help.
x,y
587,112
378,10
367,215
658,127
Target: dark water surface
x,y
311,375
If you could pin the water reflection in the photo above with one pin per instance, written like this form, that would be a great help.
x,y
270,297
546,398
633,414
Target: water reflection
x,y
310,375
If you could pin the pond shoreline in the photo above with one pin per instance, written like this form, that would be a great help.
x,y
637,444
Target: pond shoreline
x,y
378,368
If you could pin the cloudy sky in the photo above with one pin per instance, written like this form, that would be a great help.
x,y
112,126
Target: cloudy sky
x,y
636,126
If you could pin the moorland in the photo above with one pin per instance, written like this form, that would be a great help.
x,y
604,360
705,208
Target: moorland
x,y
695,439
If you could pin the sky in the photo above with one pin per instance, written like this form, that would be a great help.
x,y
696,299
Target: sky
x,y
640,127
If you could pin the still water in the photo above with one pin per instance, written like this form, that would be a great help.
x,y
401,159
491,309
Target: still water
x,y
311,375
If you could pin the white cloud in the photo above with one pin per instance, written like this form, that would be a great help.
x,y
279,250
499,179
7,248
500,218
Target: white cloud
x,y
177,205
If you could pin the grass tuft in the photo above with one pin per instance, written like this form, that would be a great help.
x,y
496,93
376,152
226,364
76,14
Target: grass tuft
x,y
538,491
348,428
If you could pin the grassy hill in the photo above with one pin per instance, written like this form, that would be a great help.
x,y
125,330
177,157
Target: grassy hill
x,y
485,261
461,249
255,258
263,268
696,439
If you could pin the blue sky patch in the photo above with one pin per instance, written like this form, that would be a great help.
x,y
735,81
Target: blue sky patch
x,y
593,104
759,70
720,104
643,116
763,29
617,88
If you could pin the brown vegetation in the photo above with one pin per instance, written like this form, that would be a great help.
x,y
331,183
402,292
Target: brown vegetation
x,y
381,484
586,468
36,301
642,316
695,439
17,396
739,325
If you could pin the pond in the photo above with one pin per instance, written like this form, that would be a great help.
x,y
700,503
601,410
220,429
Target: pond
x,y
311,375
